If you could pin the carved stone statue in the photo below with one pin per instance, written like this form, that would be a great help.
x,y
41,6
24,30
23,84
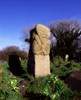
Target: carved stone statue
x,y
39,63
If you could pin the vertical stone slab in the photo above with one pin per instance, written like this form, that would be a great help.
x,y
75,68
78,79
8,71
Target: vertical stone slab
x,y
42,65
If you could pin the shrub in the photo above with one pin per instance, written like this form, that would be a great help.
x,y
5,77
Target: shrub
x,y
60,67
3,56
51,87
23,55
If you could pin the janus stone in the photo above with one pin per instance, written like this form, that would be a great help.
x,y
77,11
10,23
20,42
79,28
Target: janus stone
x,y
39,62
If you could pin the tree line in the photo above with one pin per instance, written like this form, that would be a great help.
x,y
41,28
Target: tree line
x,y
67,35
12,51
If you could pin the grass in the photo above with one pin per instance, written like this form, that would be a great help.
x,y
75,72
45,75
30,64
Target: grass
x,y
0,72
9,91
49,87
64,68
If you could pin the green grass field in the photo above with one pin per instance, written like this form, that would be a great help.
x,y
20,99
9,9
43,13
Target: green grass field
x,y
50,87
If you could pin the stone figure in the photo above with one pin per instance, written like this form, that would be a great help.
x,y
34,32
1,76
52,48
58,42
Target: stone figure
x,y
39,63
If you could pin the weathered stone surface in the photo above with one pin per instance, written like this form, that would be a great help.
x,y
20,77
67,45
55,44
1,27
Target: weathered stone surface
x,y
39,40
39,62
42,31
42,65
39,65
43,49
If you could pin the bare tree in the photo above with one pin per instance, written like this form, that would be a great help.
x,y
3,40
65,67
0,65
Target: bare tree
x,y
12,50
66,34
26,33
3,56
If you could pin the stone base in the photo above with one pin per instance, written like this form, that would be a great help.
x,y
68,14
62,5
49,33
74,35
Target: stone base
x,y
39,65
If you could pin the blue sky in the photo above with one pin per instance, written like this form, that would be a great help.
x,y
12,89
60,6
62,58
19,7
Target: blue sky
x,y
17,14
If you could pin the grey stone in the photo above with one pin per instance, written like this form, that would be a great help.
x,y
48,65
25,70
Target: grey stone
x,y
39,62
